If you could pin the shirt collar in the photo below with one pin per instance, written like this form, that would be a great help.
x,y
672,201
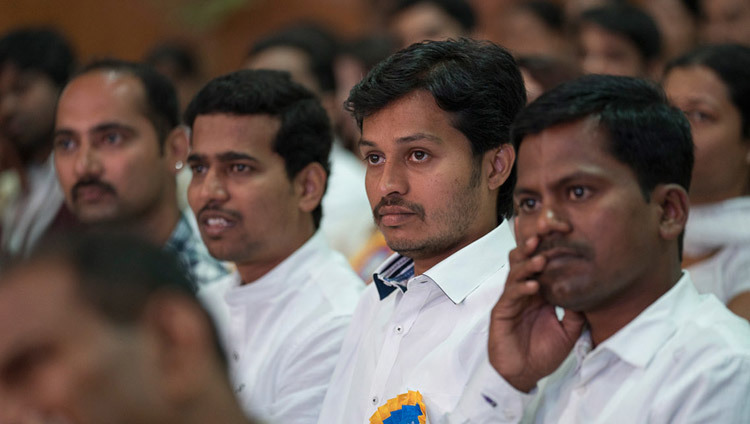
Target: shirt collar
x,y
655,325
457,275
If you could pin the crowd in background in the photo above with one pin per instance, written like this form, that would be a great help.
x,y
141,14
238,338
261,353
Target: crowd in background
x,y
55,163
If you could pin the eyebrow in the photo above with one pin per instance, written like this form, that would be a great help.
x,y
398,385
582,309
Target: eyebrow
x,y
222,157
518,191
406,139
107,126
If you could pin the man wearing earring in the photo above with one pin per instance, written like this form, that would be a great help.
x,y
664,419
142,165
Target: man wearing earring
x,y
118,145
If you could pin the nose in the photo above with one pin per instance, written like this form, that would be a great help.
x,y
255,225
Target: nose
x,y
87,161
213,188
393,179
552,219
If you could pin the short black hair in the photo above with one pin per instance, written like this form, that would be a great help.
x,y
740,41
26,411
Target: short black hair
x,y
161,107
731,63
460,10
40,50
477,82
305,134
550,13
630,22
319,45
644,131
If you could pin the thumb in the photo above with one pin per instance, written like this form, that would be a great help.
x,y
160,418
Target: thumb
x,y
573,323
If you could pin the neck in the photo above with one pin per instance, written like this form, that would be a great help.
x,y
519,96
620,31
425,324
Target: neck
x,y
156,226
262,262
422,264
741,187
607,320
217,405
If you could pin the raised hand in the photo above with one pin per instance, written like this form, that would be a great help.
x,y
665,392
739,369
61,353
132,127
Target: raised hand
x,y
527,342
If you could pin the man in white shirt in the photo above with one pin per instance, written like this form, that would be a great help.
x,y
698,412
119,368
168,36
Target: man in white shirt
x,y
118,146
434,120
604,165
260,146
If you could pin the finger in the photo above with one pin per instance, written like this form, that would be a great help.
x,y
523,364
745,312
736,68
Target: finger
x,y
516,298
526,270
524,250
573,323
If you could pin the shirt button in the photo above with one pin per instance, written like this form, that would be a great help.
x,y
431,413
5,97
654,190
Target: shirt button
x,y
398,330
240,388
374,400
235,356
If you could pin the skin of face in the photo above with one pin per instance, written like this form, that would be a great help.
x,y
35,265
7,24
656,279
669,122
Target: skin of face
x,y
585,207
289,59
248,209
27,107
61,360
107,153
428,195
424,21
604,52
726,21
722,154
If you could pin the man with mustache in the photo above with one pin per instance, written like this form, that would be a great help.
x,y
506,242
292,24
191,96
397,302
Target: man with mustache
x,y
604,166
259,155
118,145
434,121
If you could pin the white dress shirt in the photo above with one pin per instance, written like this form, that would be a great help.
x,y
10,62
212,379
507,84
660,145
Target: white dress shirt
x,y
685,359
283,332
428,338
722,226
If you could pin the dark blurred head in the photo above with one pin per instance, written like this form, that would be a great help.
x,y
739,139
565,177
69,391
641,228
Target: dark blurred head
x,y
413,21
306,51
97,318
34,65
725,21
542,73
536,28
618,40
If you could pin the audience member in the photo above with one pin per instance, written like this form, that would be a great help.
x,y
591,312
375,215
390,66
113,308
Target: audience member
x,y
118,145
537,27
542,73
106,329
619,40
712,86
307,52
178,62
34,66
603,171
259,156
434,119
725,21
678,24
414,21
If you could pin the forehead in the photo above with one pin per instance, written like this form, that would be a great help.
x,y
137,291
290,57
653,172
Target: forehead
x,y
576,148
413,114
36,299
698,83
103,95
220,133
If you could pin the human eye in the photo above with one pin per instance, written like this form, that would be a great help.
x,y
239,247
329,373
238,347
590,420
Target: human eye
x,y
374,159
198,168
64,144
239,168
579,192
697,116
526,204
419,156
112,138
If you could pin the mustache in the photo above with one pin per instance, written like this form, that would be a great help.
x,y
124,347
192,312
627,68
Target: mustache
x,y
91,182
415,208
211,207
576,248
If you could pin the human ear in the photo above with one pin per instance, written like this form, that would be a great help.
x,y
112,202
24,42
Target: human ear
x,y
176,148
674,207
500,163
310,185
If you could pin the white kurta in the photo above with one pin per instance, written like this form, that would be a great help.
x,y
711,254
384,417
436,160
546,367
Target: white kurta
x,y
283,332
427,339
685,359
